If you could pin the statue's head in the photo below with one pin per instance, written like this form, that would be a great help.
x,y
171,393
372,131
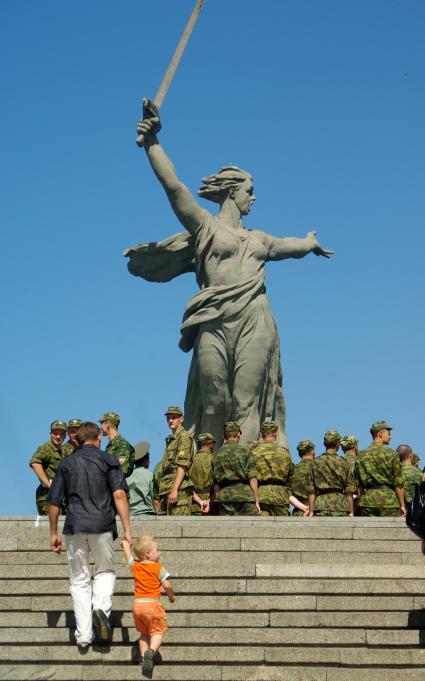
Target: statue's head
x,y
227,182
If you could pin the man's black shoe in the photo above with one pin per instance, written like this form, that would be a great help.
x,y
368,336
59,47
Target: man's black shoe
x,y
101,626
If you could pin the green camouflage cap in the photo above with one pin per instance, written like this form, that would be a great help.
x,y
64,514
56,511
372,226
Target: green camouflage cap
x,y
331,437
111,417
269,427
415,458
378,426
231,427
74,423
174,410
205,439
349,441
58,425
305,446
141,450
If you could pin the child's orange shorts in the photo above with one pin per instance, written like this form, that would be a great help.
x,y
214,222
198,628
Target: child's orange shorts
x,y
150,617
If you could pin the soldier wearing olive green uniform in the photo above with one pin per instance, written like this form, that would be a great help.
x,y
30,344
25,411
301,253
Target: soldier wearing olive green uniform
x,y
118,447
411,475
349,446
235,486
275,471
379,476
330,484
45,462
71,444
306,451
201,470
175,489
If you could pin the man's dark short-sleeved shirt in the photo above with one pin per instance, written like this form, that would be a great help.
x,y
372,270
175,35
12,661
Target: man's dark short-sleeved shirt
x,y
87,480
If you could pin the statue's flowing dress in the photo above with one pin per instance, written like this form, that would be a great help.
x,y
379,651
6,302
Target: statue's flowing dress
x,y
235,373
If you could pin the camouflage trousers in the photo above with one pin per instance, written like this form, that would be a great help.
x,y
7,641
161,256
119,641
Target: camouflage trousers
x,y
182,507
43,506
236,508
382,512
274,509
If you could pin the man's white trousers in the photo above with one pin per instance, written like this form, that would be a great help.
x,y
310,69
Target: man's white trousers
x,y
85,597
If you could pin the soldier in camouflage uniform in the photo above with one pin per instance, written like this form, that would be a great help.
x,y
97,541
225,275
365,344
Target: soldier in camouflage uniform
x,y
379,476
306,451
235,487
330,484
275,471
118,447
411,475
175,489
201,474
350,447
72,443
45,462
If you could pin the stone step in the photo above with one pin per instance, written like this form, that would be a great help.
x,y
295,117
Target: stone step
x,y
233,569
234,602
288,585
193,654
214,672
240,636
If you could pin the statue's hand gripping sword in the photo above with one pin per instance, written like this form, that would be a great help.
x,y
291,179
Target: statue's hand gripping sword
x,y
150,109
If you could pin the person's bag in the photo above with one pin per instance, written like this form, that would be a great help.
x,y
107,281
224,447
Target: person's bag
x,y
415,518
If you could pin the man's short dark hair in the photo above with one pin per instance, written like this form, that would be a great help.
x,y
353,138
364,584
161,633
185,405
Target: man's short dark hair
x,y
87,431
404,451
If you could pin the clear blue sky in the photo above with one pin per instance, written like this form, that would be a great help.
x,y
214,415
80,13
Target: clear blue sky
x,y
322,101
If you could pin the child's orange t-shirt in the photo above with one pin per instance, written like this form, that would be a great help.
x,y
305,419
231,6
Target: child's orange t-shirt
x,y
148,577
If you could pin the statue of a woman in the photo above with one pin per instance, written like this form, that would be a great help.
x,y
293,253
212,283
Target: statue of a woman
x,y
235,372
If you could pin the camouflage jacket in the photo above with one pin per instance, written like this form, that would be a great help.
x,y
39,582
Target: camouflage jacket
x,y
299,480
179,451
201,472
351,460
274,464
233,462
377,471
49,457
123,451
68,447
329,478
411,477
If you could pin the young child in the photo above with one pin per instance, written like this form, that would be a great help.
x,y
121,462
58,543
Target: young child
x,y
149,615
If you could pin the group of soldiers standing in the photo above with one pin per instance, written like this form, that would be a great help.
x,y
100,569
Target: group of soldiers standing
x,y
248,479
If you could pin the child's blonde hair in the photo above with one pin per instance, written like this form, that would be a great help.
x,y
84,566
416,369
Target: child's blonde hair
x,y
143,545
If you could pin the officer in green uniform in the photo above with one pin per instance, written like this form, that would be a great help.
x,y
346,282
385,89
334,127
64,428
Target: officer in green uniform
x,y
306,452
411,475
175,489
72,444
275,471
201,473
235,487
117,446
45,462
379,476
330,484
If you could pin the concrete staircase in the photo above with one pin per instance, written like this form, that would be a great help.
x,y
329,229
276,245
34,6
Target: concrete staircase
x,y
287,599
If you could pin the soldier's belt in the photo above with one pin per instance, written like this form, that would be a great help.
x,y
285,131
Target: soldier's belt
x,y
202,490
378,487
330,490
274,482
227,483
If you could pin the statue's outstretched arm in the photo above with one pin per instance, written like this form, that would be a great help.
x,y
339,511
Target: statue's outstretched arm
x,y
182,201
293,247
